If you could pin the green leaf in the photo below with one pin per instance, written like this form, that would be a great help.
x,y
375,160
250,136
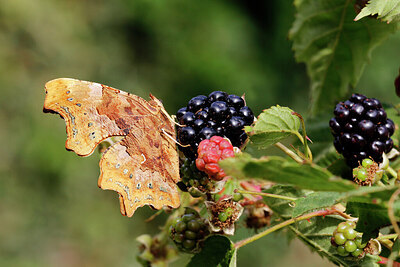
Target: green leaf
x,y
314,201
320,200
334,48
285,171
217,250
371,217
281,206
387,10
273,125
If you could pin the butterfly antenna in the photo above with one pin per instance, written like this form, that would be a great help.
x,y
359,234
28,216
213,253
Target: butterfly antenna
x,y
173,139
171,118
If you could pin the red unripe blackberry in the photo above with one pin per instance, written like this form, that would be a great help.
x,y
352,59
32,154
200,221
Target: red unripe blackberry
x,y
361,129
210,152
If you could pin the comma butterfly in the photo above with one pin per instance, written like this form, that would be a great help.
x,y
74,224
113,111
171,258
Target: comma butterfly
x,y
143,167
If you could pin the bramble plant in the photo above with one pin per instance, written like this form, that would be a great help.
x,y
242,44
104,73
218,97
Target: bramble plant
x,y
335,186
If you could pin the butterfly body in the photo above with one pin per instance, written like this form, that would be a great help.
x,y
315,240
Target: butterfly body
x,y
143,166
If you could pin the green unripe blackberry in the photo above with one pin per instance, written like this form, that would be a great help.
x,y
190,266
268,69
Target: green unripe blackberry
x,y
188,231
368,172
347,241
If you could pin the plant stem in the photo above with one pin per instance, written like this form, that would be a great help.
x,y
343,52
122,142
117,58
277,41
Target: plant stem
x,y
265,194
246,241
392,218
307,151
289,152
391,171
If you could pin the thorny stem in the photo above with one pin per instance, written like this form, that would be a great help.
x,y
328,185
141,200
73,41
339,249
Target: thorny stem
x,y
392,218
246,241
289,152
307,151
265,194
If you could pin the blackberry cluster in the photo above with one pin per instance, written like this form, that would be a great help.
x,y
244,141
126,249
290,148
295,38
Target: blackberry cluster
x,y
192,177
361,129
188,231
347,240
218,114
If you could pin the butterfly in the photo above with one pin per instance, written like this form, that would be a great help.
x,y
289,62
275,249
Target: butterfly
x,y
143,167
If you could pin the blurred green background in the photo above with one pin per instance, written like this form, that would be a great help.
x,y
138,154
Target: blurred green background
x,y
51,210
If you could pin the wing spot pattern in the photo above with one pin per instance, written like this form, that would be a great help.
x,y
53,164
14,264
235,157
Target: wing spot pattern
x,y
131,176
125,171
92,135
79,104
117,165
90,124
70,99
126,189
74,130
150,185
138,186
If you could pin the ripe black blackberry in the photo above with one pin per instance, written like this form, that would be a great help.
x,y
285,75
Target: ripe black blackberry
x,y
188,231
361,129
218,114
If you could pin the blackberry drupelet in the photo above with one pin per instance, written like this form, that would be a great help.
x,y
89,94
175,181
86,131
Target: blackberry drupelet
x,y
218,114
361,129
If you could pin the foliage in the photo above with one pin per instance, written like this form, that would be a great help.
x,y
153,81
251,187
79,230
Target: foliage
x,y
48,194
386,10
334,48
311,197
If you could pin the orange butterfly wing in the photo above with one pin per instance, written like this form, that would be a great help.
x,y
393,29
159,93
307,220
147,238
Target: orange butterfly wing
x,y
143,167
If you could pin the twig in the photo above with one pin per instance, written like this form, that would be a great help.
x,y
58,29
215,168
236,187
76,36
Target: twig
x,y
289,152
392,218
265,194
307,151
246,241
